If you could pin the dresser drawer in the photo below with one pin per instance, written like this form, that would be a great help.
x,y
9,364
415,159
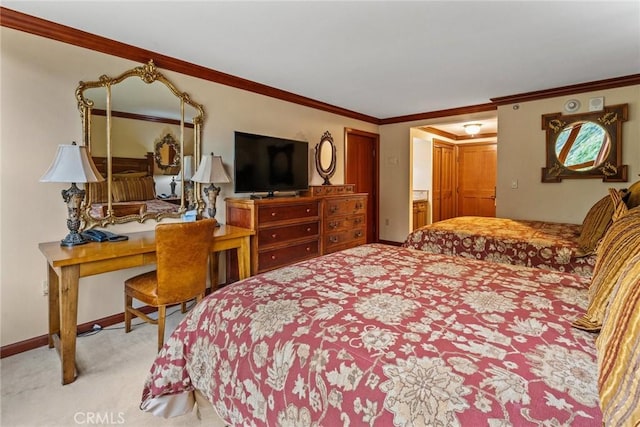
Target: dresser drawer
x,y
267,214
344,239
271,259
345,206
343,223
275,235
341,237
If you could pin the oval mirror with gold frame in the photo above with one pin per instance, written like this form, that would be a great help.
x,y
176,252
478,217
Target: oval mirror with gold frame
x,y
326,157
122,118
585,145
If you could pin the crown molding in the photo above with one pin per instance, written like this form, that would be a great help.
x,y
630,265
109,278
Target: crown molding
x,y
612,83
440,113
40,27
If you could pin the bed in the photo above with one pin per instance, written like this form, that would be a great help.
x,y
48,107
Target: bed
x,y
557,246
132,189
385,335
519,242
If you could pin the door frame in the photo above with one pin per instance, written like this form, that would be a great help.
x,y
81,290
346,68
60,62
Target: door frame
x,y
375,173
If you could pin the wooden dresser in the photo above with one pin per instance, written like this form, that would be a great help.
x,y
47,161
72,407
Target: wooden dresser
x,y
344,216
287,229
322,220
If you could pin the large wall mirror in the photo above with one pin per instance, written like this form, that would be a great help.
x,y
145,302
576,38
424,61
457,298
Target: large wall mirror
x,y
586,145
139,128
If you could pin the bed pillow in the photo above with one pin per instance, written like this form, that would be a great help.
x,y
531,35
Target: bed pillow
x,y
98,191
619,206
133,189
633,199
618,348
620,243
595,224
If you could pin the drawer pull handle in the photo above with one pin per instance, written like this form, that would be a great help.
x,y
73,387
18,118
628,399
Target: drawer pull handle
x,y
273,257
308,249
273,214
308,229
333,209
333,239
333,224
358,205
357,221
308,210
358,233
274,235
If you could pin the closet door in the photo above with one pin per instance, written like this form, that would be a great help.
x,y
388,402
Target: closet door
x,y
444,177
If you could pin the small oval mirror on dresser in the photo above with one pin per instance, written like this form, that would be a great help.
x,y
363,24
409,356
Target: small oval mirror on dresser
x,y
138,127
325,156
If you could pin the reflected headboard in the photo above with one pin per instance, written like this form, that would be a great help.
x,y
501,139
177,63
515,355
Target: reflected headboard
x,y
125,164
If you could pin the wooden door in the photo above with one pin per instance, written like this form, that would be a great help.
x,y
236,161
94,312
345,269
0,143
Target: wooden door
x,y
477,169
361,169
444,180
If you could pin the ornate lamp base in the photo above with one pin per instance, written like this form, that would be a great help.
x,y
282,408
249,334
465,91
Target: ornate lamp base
x,y
73,196
212,192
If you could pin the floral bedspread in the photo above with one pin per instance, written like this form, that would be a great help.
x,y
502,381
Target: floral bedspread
x,y
388,336
530,243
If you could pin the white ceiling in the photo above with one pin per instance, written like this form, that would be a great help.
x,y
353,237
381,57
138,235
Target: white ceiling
x,y
382,58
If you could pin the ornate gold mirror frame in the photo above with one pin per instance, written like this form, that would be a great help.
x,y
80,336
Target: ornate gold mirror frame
x,y
326,157
585,145
148,74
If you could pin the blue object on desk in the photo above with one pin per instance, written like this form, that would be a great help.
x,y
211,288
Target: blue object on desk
x,y
189,216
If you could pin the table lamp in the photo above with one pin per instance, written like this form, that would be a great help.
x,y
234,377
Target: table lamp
x,y
72,164
210,171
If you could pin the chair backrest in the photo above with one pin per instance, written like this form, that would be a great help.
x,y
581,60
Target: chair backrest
x,y
182,251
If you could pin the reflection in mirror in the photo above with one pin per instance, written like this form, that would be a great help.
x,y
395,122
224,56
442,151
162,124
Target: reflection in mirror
x,y
122,119
167,154
582,145
586,145
326,157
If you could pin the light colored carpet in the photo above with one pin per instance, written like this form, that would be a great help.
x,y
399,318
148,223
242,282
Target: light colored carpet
x,y
113,367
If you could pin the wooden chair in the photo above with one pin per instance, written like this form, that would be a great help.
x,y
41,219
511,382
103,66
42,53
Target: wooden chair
x,y
182,252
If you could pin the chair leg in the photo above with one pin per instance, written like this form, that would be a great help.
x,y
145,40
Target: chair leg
x,y
128,302
162,311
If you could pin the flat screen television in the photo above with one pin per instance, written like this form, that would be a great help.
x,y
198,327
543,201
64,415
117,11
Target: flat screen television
x,y
266,164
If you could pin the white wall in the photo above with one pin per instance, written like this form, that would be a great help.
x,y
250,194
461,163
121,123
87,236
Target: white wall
x,y
38,81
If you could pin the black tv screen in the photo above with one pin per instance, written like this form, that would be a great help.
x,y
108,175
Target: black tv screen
x,y
266,164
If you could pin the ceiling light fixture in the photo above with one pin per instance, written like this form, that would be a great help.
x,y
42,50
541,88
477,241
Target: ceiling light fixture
x,y
472,128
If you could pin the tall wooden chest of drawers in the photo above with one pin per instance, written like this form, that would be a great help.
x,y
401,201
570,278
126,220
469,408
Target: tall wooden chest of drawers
x,y
287,229
344,222
344,216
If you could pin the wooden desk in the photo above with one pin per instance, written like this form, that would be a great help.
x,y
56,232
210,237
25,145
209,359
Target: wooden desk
x,y
66,265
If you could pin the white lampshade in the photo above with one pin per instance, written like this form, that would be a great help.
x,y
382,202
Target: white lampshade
x,y
72,164
211,171
472,128
188,167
